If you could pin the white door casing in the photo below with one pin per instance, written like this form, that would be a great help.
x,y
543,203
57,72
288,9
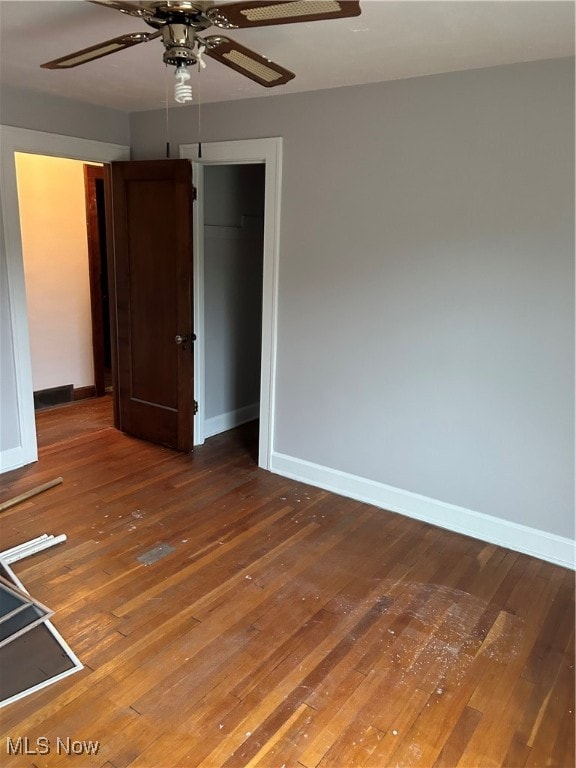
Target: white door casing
x,y
269,152
14,140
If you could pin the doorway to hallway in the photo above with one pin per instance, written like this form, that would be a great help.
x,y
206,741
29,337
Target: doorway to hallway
x,y
267,152
233,235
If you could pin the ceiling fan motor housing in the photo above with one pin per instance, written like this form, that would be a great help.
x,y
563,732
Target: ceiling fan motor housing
x,y
179,41
179,24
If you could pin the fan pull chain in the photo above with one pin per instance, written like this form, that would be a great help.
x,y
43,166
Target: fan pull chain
x,y
201,65
167,113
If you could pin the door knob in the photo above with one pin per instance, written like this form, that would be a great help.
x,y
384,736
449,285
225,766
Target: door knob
x,y
180,339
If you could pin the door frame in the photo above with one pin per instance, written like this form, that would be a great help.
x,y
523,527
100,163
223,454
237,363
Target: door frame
x,y
243,152
14,140
92,174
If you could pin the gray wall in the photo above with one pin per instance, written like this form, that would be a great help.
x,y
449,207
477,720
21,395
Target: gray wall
x,y
53,114
233,258
426,323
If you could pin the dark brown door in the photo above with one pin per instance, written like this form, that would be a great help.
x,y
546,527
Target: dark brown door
x,y
150,262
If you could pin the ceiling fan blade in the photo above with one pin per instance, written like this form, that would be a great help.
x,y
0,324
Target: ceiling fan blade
x,y
259,14
132,9
245,61
102,49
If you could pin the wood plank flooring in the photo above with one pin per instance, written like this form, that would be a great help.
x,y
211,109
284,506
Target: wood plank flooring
x,y
287,627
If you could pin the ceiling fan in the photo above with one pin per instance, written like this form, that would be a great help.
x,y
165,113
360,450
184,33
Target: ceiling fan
x,y
179,25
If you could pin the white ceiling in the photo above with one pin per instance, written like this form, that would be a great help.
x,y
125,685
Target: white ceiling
x,y
392,39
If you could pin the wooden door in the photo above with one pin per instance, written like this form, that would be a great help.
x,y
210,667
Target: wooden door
x,y
150,263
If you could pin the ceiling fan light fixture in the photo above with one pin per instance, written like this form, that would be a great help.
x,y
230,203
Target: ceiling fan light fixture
x,y
182,88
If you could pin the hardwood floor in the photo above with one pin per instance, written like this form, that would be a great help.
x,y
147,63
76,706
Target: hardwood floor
x,y
286,628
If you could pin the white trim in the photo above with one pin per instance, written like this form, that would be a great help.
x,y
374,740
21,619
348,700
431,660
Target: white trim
x,y
12,458
199,346
35,142
269,152
521,538
32,547
225,421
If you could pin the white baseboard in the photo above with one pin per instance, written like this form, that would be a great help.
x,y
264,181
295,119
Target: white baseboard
x,y
521,538
226,421
11,459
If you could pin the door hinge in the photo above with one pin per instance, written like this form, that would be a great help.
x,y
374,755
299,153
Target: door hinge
x,y
194,193
195,407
